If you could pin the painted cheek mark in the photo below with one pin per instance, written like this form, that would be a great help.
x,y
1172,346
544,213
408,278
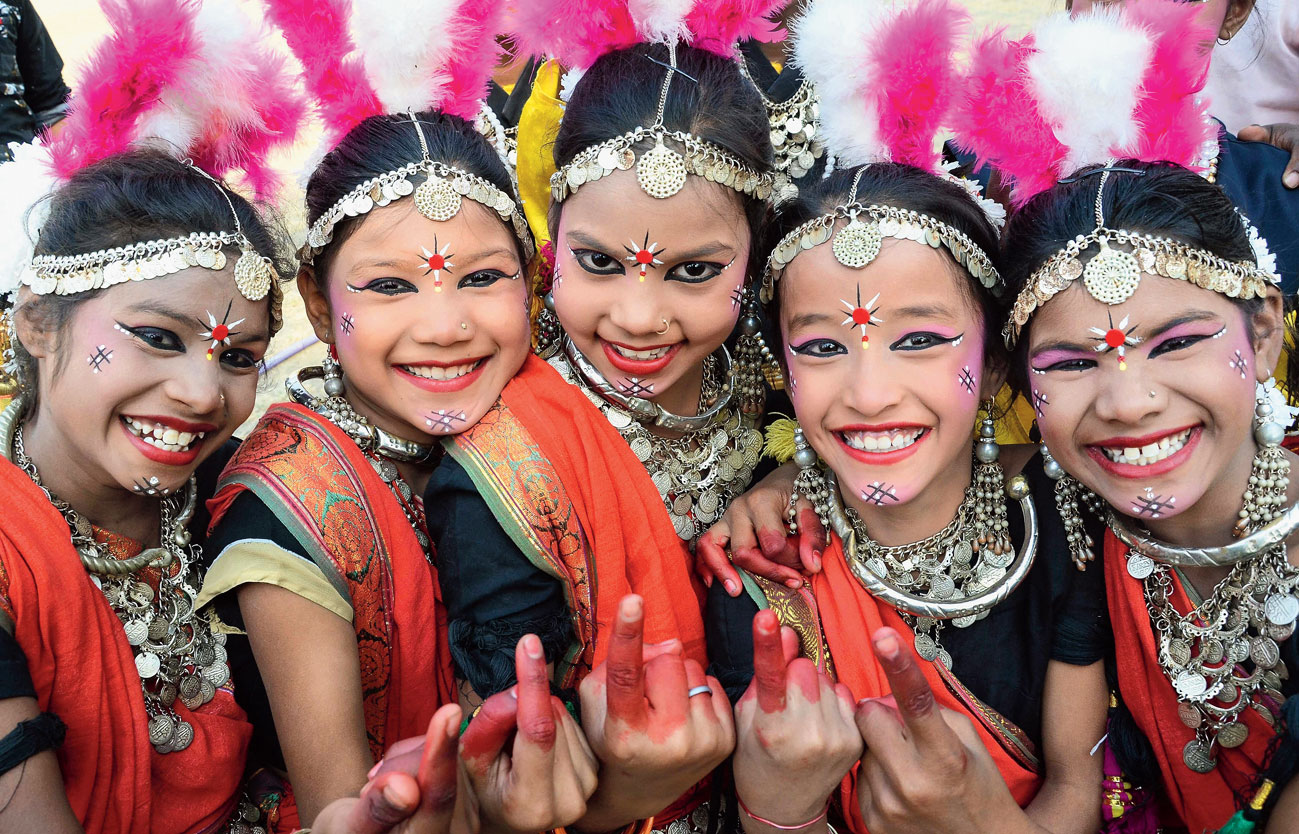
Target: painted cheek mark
x,y
444,420
644,255
219,332
100,358
737,295
1113,338
149,486
635,387
1240,365
437,262
967,380
1040,402
860,315
1150,505
879,494
347,323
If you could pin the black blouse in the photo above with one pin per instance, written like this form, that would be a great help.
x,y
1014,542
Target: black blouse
x,y
1057,613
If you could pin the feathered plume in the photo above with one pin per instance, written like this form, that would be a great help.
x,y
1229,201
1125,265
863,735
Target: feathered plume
x,y
317,33
474,54
573,32
153,43
404,47
828,43
661,21
1085,74
1174,122
913,56
997,118
717,25
256,109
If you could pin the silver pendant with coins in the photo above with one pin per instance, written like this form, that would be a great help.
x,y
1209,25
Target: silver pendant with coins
x,y
176,650
696,473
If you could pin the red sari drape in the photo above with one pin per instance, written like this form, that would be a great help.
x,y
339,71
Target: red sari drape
x,y
84,671
326,492
1203,801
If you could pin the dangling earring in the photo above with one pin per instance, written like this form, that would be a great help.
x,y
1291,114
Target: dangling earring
x,y
548,330
1269,478
333,375
751,357
810,483
1067,494
992,531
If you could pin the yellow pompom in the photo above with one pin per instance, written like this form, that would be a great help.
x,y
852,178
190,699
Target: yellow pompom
x,y
780,444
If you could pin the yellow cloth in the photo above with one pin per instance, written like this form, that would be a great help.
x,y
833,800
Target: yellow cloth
x,y
538,126
258,560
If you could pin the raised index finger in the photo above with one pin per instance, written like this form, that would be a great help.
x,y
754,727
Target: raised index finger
x,y
768,662
911,691
624,667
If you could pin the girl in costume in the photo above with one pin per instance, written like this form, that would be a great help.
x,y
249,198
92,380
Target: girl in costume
x,y
322,558
1146,325
884,286
139,323
591,477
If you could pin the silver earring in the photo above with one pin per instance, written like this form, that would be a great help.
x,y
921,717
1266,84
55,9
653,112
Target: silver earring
x,y
992,530
1069,495
333,376
810,482
1269,477
752,357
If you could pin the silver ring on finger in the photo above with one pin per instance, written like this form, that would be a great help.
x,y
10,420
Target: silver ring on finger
x,y
699,690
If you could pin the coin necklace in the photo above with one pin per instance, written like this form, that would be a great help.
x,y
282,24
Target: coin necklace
x,y
696,474
177,653
379,447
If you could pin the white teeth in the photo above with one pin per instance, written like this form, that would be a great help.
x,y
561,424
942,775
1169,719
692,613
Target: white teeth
x,y
888,441
167,439
1150,453
434,372
642,355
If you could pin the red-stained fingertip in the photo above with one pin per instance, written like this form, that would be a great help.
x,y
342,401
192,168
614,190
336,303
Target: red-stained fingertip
x,y
731,588
765,622
887,645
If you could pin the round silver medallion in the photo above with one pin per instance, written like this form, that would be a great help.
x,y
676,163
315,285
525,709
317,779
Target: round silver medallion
x,y
1264,652
147,664
926,647
436,199
1196,756
1190,685
1112,275
661,171
1282,609
1233,734
857,244
136,631
1190,715
1140,566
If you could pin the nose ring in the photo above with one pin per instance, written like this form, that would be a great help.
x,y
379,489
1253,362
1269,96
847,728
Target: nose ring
x,y
464,325
666,325
1152,395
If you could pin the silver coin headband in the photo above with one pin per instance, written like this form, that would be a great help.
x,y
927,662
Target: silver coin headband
x,y
72,274
439,197
1112,275
858,242
661,170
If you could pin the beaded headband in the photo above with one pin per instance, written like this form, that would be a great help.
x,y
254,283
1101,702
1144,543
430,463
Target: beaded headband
x,y
858,243
439,197
1112,275
72,274
661,171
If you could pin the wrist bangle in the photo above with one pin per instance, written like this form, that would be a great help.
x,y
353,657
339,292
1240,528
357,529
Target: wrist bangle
x,y
813,821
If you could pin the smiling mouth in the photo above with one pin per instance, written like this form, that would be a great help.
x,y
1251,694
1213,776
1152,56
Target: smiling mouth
x,y
881,441
641,355
442,373
162,437
1149,454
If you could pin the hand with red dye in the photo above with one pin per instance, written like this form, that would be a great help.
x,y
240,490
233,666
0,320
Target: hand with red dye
x,y
794,728
411,791
654,741
753,530
925,769
525,764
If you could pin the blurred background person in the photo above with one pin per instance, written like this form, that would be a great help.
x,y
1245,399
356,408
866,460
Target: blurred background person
x,y
33,96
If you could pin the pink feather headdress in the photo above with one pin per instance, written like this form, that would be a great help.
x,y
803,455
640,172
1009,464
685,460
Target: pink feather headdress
x,y
363,58
577,32
191,79
1120,82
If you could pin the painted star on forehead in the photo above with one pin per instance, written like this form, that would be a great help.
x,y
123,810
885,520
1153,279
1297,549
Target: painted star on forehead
x,y
1115,338
437,262
219,332
860,315
644,255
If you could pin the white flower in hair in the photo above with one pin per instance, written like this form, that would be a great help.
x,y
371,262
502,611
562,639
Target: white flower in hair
x,y
1282,411
25,181
1265,258
994,211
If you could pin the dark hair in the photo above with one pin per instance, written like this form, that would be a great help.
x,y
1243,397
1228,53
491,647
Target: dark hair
x,y
385,143
904,187
131,197
1165,200
621,90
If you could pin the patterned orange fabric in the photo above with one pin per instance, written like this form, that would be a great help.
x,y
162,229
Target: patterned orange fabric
x,y
84,671
1203,801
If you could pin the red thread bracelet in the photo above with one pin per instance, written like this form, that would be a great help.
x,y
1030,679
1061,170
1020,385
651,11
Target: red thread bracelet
x,y
814,820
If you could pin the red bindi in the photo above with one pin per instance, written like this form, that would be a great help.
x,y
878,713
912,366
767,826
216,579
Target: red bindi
x,y
220,333
861,315
1115,337
644,256
436,262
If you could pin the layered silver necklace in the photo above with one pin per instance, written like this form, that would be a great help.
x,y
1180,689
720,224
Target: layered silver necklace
x,y
696,474
177,653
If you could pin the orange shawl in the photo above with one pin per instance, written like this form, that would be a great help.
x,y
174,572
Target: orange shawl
x,y
849,616
84,672
1204,801
567,489
326,492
